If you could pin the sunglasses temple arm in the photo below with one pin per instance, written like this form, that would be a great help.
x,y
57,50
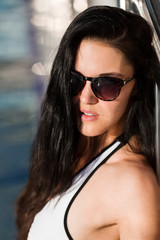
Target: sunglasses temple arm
x,y
127,81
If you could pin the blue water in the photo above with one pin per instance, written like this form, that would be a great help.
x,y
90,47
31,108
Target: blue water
x,y
18,107
14,37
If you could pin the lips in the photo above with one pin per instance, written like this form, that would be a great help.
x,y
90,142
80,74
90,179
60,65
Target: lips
x,y
87,115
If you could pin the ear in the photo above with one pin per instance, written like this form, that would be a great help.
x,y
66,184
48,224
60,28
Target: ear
x,y
136,93
135,90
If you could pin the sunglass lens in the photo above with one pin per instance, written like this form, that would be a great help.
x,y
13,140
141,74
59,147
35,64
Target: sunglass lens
x,y
76,85
107,88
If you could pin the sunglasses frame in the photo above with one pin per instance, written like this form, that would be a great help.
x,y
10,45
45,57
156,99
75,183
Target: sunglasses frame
x,y
83,79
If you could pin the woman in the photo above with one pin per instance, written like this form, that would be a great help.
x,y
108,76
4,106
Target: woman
x,y
93,160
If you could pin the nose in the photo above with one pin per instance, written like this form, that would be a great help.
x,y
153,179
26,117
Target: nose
x,y
87,96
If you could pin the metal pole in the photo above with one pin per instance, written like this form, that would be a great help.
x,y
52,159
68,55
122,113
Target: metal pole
x,y
157,140
146,10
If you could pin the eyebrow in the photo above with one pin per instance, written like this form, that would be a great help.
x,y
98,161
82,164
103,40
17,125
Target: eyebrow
x,y
106,74
112,73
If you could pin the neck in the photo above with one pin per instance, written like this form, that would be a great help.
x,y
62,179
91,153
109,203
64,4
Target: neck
x,y
89,147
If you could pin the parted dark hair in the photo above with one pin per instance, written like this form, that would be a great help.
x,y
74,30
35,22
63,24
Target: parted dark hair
x,y
53,159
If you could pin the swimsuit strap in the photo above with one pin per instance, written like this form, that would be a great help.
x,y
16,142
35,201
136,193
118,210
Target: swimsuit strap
x,y
89,170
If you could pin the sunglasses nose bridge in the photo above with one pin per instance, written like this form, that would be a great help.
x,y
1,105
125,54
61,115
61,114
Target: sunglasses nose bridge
x,y
87,79
90,79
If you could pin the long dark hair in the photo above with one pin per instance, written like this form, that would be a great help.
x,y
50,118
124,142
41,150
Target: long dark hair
x,y
55,145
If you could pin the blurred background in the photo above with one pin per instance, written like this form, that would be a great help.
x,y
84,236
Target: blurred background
x,y
30,31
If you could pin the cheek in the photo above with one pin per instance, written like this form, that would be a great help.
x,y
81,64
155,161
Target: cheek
x,y
115,110
75,107
75,104
75,100
112,111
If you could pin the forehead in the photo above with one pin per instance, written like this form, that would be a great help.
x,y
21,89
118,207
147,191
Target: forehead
x,y
97,57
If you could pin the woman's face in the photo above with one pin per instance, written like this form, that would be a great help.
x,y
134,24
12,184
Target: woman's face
x,y
94,116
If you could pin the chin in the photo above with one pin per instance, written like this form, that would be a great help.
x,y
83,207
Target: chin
x,y
92,132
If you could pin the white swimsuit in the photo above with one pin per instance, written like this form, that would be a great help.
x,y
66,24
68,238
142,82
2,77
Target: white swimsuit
x,y
51,222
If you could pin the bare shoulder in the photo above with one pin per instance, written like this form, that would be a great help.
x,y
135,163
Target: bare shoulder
x,y
132,172
138,186
134,178
137,198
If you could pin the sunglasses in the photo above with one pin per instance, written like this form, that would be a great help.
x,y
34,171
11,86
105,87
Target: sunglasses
x,y
105,88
